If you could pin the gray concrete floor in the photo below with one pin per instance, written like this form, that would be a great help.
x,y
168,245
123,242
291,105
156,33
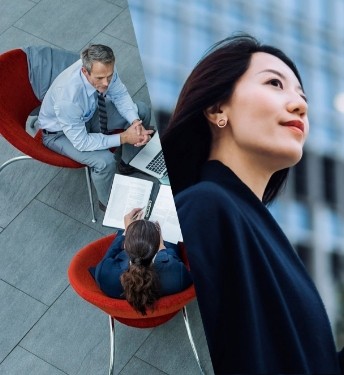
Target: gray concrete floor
x,y
45,328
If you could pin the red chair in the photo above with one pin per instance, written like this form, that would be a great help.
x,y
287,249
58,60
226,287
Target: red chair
x,y
86,287
17,101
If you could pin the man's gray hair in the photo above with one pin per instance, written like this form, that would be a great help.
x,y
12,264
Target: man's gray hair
x,y
96,52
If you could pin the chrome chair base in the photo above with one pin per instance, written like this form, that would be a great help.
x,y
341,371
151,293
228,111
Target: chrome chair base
x,y
188,329
88,179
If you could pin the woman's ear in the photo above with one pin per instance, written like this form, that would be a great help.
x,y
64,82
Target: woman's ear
x,y
215,115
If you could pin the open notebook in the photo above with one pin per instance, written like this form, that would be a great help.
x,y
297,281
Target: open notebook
x,y
131,192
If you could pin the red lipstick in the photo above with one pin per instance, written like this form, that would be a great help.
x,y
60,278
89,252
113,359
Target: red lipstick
x,y
295,124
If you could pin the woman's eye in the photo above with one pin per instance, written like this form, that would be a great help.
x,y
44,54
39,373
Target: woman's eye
x,y
276,82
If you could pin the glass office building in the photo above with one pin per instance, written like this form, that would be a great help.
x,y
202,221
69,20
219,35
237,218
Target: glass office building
x,y
172,36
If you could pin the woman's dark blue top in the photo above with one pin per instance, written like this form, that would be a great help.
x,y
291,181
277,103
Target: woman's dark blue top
x,y
261,312
173,275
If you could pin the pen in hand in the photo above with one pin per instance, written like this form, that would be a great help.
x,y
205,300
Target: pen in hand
x,y
138,214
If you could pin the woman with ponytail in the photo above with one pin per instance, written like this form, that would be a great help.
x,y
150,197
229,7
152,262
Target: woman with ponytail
x,y
139,266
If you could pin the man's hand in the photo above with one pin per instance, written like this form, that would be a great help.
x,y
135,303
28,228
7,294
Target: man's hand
x,y
136,135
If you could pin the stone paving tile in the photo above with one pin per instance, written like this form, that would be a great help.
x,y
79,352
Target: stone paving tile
x,y
68,193
20,182
20,361
137,366
10,14
68,24
18,313
67,333
15,38
170,343
73,336
120,3
36,249
119,29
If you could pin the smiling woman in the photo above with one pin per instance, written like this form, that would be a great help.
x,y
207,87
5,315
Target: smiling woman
x,y
240,123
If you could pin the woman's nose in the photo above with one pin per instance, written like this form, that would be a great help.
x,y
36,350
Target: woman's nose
x,y
297,104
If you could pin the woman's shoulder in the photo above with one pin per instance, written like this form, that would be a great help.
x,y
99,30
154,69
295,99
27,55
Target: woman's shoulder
x,y
167,255
206,195
201,190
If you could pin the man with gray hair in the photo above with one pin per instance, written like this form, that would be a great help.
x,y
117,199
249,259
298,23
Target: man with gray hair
x,y
83,106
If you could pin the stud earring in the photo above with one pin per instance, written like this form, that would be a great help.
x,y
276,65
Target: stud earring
x,y
222,123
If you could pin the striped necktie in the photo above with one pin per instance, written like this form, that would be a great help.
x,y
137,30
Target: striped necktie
x,y
102,113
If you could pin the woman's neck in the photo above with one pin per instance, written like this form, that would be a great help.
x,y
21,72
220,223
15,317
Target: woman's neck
x,y
251,170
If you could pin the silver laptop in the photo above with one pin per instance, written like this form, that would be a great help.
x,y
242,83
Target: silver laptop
x,y
150,159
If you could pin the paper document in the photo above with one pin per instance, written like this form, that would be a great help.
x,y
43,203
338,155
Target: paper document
x,y
131,192
126,193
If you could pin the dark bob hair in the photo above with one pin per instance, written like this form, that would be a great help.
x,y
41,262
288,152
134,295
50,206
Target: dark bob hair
x,y
187,139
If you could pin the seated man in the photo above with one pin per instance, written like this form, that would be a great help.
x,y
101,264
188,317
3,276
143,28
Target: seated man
x,y
77,121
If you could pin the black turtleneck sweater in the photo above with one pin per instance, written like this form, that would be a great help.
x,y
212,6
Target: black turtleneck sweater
x,y
261,311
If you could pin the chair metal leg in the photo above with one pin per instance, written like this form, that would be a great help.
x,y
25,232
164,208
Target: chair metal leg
x,y
89,188
186,321
112,344
4,165
88,179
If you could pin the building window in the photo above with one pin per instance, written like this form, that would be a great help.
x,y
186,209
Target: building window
x,y
300,178
329,180
337,266
306,256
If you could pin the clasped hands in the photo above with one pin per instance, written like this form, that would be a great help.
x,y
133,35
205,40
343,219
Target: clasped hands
x,y
136,134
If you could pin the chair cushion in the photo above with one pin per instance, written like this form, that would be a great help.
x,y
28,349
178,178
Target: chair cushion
x,y
86,287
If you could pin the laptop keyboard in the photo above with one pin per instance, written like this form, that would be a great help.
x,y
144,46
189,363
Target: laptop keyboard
x,y
157,164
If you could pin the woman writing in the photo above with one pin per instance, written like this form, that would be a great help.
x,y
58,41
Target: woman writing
x,y
139,266
240,122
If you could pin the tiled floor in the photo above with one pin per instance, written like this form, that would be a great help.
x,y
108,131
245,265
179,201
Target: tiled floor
x,y
45,218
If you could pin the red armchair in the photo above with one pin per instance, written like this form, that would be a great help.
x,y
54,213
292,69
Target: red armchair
x,y
118,309
17,101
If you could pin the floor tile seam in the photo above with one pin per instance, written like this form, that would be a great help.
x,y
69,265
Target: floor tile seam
x,y
85,356
149,364
19,213
121,40
42,316
120,6
143,342
40,37
63,291
126,363
5,30
54,208
21,338
70,217
28,11
33,198
105,26
114,18
138,90
27,294
42,359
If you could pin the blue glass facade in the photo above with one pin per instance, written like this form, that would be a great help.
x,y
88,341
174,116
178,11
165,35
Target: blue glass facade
x,y
172,36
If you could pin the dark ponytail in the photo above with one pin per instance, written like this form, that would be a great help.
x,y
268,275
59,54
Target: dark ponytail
x,y
140,282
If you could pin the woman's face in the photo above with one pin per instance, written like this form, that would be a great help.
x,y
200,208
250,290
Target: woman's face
x,y
267,112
